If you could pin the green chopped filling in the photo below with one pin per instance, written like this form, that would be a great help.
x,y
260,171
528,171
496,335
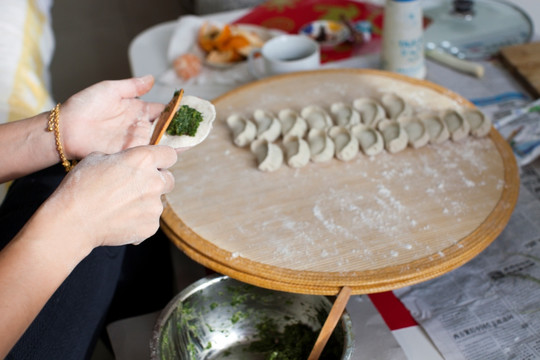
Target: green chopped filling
x,y
185,122
294,343
237,316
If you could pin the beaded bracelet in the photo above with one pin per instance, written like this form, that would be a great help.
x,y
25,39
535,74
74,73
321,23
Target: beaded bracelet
x,y
54,125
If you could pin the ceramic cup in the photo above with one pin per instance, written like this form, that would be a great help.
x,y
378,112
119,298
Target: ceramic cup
x,y
285,54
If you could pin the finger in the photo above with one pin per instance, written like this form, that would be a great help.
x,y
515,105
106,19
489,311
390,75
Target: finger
x,y
140,135
168,178
149,110
154,110
138,110
134,87
155,156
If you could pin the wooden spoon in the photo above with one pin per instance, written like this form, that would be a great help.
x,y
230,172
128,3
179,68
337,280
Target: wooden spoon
x,y
166,117
331,322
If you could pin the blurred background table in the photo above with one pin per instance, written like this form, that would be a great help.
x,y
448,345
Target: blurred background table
x,y
147,54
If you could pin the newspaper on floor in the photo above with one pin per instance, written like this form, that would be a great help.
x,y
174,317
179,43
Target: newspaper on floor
x,y
521,128
490,307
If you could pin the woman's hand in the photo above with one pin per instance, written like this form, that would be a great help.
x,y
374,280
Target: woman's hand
x,y
108,117
113,199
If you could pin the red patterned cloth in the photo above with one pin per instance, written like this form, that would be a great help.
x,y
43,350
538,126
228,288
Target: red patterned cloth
x,y
291,15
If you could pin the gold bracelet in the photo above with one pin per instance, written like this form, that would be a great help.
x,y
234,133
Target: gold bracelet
x,y
54,125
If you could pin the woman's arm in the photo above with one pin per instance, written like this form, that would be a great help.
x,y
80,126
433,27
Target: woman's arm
x,y
106,117
26,146
105,200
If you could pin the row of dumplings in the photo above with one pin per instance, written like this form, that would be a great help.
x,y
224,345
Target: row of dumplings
x,y
318,134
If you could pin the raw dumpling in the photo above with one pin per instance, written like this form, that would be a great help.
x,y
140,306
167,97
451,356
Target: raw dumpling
x,y
436,128
395,137
208,112
292,124
268,126
395,106
416,131
346,144
316,117
321,145
344,115
244,131
370,140
480,124
371,112
296,151
269,155
456,124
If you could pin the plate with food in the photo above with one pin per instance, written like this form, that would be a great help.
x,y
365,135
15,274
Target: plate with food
x,y
199,51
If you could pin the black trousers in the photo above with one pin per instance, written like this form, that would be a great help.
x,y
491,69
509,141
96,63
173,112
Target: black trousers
x,y
109,284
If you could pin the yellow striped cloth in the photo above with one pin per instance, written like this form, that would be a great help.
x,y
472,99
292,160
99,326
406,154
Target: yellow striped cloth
x,y
26,49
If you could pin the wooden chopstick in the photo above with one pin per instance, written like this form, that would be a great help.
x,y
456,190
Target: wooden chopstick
x,y
331,321
166,117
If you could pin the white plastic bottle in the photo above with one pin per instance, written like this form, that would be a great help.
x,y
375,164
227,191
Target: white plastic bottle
x,y
402,41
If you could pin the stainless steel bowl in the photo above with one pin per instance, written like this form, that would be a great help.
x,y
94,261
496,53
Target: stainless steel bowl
x,y
220,318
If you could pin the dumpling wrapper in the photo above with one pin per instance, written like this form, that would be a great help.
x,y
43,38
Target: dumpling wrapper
x,y
269,155
244,131
208,112
416,131
479,123
457,125
346,144
297,151
370,140
321,146
394,135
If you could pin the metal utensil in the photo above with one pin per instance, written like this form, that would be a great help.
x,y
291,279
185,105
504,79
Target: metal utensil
x,y
218,317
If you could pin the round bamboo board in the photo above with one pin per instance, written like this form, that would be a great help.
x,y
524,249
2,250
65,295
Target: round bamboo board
x,y
373,223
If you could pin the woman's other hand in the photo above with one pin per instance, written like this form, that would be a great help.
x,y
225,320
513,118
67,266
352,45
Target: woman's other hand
x,y
105,200
113,199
